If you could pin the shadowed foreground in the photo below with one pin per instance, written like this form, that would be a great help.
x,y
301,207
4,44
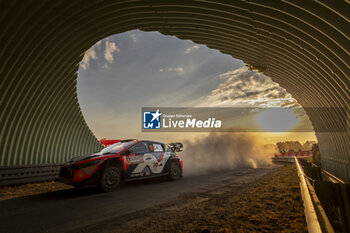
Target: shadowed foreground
x,y
271,204
241,200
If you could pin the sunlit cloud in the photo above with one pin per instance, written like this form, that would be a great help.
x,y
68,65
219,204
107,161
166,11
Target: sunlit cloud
x,y
193,48
247,87
98,44
244,87
108,54
90,54
110,49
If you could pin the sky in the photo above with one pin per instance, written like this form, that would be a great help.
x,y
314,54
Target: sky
x,y
125,72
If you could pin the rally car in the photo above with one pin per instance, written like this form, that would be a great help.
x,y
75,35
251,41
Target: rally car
x,y
123,161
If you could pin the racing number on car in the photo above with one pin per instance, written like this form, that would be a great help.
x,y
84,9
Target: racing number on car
x,y
157,158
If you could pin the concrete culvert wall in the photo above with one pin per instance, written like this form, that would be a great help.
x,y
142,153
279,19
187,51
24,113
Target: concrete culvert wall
x,y
302,45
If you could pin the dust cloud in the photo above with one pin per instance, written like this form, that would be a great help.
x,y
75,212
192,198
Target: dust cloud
x,y
224,151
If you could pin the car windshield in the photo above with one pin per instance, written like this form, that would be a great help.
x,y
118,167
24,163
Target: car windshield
x,y
117,147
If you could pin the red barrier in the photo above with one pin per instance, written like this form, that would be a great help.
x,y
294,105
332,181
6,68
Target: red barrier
x,y
297,154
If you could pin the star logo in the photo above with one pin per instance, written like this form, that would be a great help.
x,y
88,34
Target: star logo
x,y
156,115
152,119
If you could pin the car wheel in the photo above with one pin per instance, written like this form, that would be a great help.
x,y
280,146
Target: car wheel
x,y
110,179
175,171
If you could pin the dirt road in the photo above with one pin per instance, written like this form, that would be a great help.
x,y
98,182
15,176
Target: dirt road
x,y
135,206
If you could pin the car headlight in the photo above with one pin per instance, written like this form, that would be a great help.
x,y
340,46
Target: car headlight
x,y
87,164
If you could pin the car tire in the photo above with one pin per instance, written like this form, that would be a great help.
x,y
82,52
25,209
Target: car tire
x,y
110,179
175,171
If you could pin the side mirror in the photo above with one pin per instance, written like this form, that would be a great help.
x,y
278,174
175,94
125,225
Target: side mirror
x,y
128,152
176,147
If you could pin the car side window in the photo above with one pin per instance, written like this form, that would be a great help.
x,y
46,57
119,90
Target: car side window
x,y
158,147
150,148
139,148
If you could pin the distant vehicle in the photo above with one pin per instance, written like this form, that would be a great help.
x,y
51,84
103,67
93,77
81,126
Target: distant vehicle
x,y
125,160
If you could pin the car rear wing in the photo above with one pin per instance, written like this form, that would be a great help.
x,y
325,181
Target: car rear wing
x,y
107,142
176,146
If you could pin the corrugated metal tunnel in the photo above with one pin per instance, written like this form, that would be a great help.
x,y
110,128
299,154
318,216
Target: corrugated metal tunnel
x,y
304,46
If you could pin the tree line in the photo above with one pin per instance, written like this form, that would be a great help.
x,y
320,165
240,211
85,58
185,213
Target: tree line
x,y
289,146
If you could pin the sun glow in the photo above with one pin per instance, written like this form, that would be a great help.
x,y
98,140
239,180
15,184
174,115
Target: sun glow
x,y
277,119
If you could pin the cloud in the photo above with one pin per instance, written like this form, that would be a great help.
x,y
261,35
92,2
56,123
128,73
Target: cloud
x,y
190,49
179,70
247,87
98,44
105,66
110,48
90,54
133,37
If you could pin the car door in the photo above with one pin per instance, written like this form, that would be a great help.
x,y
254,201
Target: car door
x,y
156,158
135,160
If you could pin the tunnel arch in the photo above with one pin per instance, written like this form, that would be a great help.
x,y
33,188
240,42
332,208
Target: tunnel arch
x,y
304,46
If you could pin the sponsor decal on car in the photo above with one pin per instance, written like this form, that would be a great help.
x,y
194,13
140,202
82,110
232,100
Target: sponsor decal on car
x,y
134,160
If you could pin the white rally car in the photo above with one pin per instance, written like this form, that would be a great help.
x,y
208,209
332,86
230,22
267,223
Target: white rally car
x,y
125,160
